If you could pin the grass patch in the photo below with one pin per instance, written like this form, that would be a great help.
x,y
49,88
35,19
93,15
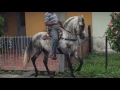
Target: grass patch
x,y
12,72
94,67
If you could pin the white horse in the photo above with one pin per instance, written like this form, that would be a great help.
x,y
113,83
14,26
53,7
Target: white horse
x,y
72,32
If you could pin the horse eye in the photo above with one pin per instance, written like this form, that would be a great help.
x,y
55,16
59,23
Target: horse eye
x,y
81,23
82,26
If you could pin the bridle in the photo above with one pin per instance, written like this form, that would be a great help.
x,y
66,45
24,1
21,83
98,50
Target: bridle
x,y
77,35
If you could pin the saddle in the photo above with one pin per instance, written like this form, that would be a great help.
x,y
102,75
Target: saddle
x,y
47,36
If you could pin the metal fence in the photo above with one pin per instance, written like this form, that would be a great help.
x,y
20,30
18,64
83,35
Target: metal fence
x,y
13,44
12,52
102,51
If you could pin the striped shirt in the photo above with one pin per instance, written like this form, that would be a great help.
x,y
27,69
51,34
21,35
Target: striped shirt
x,y
51,17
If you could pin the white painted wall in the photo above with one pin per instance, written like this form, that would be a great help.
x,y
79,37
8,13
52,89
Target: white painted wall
x,y
100,21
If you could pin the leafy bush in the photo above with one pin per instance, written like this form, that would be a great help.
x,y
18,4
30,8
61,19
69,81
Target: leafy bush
x,y
113,31
2,21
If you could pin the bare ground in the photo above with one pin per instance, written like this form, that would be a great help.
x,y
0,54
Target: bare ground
x,y
28,74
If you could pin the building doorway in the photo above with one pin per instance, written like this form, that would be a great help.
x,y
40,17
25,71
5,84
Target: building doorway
x,y
21,24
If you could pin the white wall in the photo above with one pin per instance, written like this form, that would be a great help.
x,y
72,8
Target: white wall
x,y
100,21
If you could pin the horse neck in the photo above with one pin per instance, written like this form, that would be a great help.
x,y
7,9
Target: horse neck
x,y
70,25
70,28
68,35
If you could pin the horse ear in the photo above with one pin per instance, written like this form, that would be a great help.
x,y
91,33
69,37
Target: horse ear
x,y
82,16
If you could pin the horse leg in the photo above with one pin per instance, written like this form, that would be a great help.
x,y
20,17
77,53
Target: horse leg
x,y
45,61
33,62
80,59
80,65
70,65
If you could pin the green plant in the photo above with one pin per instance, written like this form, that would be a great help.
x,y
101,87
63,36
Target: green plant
x,y
113,31
2,22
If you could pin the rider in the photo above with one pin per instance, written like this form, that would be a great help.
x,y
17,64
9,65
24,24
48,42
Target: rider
x,y
51,21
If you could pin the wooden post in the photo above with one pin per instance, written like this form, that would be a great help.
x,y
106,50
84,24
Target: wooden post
x,y
106,53
89,36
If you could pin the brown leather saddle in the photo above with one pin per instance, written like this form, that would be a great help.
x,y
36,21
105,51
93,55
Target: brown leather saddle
x,y
47,36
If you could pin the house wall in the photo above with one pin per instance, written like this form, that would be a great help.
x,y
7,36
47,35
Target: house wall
x,y
11,19
100,21
34,23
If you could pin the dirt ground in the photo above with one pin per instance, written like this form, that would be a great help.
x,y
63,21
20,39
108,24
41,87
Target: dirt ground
x,y
29,74
9,76
19,76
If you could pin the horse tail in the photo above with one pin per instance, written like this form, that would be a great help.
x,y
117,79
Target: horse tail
x,y
27,54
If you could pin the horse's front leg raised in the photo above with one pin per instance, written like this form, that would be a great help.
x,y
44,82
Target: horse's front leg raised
x,y
77,57
80,64
67,57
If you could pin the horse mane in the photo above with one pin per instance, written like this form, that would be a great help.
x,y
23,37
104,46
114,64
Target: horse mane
x,y
71,23
67,21
83,22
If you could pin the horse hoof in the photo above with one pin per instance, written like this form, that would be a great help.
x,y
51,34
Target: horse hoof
x,y
73,77
36,75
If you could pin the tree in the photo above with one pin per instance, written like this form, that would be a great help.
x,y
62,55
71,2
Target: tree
x,y
113,31
2,21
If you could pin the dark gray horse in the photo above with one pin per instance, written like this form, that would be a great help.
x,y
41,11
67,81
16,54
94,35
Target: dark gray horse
x,y
73,33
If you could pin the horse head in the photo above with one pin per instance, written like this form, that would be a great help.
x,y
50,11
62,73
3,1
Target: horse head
x,y
76,26
80,27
